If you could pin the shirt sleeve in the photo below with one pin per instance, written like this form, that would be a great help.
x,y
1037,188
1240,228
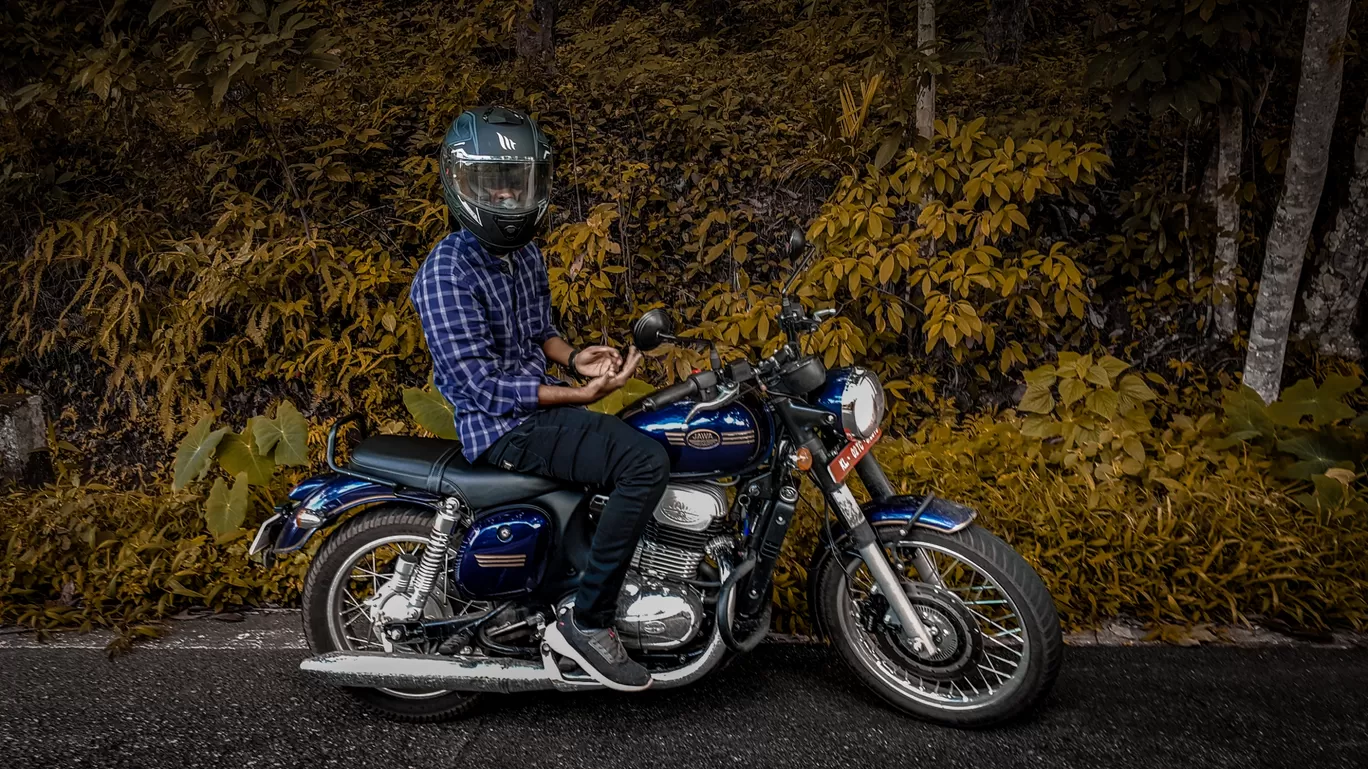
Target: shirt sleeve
x,y
543,327
458,337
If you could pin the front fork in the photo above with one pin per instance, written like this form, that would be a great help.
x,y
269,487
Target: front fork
x,y
872,553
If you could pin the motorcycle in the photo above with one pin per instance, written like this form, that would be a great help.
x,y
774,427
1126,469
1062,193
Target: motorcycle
x,y
440,578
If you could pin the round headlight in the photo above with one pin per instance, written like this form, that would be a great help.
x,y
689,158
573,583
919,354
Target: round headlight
x,y
862,404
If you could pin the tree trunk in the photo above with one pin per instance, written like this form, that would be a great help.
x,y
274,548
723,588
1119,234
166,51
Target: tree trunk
x,y
1332,298
537,36
926,94
1313,123
1005,29
1227,218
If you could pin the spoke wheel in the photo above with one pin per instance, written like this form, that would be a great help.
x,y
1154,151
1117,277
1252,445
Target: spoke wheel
x,y
998,640
357,614
349,576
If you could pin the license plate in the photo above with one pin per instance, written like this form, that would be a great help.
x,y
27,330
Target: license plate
x,y
849,456
265,536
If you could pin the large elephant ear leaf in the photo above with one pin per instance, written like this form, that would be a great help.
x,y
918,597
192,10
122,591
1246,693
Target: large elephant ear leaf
x,y
292,447
431,411
236,454
265,434
226,508
195,451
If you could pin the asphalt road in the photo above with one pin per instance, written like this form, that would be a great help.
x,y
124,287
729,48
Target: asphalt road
x,y
189,704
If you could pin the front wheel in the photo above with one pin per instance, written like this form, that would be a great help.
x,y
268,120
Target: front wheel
x,y
999,645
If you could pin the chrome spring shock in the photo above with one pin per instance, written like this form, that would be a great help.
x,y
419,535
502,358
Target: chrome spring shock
x,y
434,555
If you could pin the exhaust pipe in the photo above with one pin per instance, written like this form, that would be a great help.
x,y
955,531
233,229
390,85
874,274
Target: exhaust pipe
x,y
377,670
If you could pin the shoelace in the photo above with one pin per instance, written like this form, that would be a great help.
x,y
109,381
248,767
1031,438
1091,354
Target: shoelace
x,y
606,641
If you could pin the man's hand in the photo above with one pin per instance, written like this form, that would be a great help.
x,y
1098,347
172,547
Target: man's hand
x,y
604,384
597,361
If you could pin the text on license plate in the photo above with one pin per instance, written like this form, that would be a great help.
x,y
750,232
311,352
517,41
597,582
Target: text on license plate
x,y
854,451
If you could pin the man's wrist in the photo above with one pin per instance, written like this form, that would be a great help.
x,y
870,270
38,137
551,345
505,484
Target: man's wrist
x,y
570,362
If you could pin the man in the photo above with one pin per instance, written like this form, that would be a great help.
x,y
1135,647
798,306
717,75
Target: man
x,y
485,305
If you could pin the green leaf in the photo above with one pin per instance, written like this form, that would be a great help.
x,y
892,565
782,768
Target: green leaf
x,y
1103,403
1037,400
1322,404
226,509
192,457
1246,415
265,433
431,411
158,9
1098,375
1071,390
292,448
1131,391
237,455
1043,376
1113,366
1318,452
887,149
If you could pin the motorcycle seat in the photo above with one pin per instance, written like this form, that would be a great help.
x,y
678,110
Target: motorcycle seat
x,y
436,465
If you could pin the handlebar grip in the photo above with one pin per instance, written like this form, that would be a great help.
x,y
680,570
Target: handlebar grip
x,y
672,394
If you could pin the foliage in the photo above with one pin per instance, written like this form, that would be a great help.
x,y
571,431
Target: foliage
x,y
969,261
1197,533
211,208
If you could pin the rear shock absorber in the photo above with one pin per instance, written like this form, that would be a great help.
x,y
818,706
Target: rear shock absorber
x,y
434,555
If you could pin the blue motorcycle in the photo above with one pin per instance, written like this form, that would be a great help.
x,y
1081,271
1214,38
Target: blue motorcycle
x,y
441,577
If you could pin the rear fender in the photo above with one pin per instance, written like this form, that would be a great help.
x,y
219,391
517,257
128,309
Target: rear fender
x,y
322,500
891,519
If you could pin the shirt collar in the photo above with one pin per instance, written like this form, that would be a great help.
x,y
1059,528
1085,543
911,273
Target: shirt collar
x,y
482,254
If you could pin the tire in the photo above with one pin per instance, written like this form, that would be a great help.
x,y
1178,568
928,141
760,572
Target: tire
x,y
372,526
1041,652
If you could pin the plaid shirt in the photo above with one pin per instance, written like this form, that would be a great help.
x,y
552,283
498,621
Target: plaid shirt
x,y
485,322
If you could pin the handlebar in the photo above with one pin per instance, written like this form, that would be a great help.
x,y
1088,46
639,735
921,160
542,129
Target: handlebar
x,y
672,394
693,387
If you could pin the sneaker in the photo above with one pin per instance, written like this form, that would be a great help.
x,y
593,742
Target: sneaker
x,y
598,651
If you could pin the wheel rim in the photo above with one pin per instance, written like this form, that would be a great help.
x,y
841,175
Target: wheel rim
x,y
1002,661
363,572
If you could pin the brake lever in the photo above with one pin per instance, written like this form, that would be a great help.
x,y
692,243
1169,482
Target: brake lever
x,y
726,393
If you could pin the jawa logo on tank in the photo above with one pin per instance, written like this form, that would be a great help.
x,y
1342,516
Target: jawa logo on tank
x,y
705,439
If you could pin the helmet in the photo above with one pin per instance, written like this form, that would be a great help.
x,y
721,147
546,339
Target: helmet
x,y
496,176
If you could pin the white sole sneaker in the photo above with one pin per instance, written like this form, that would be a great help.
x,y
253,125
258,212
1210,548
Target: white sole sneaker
x,y
559,645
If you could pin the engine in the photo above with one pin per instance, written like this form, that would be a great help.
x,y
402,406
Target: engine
x,y
656,610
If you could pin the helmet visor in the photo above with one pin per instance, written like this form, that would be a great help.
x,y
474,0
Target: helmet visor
x,y
514,186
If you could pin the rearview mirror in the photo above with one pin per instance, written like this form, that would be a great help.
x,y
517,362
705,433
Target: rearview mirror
x,y
796,241
652,329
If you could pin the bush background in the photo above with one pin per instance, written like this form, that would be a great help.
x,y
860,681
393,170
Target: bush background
x,y
211,208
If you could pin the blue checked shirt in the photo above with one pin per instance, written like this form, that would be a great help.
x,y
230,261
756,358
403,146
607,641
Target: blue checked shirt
x,y
485,323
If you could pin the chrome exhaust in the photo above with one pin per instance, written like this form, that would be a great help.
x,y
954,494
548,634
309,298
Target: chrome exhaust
x,y
377,670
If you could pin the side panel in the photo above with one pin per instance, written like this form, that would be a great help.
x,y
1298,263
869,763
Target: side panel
x,y
714,443
504,553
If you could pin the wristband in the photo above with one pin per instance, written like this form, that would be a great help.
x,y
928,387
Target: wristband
x,y
570,363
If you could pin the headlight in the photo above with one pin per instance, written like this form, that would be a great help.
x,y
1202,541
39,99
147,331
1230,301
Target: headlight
x,y
862,403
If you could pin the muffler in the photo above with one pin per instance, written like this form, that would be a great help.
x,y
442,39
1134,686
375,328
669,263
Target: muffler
x,y
377,670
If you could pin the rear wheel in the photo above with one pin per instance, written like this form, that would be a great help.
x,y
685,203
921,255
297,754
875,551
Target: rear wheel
x,y
999,645
351,569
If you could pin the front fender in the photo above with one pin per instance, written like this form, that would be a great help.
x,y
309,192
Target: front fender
x,y
323,499
928,512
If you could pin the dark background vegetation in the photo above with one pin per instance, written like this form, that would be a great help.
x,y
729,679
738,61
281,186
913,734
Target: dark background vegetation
x,y
208,208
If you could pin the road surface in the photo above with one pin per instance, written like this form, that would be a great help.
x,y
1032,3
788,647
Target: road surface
x,y
227,696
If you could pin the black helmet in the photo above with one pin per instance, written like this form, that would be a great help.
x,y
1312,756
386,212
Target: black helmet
x,y
496,175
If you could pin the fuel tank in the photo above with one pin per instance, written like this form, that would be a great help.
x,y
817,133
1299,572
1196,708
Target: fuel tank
x,y
714,443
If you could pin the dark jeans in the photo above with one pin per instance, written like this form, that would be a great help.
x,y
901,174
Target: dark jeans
x,y
582,446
